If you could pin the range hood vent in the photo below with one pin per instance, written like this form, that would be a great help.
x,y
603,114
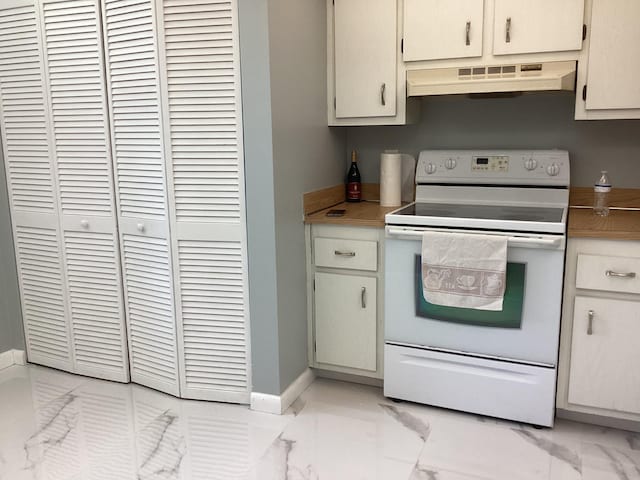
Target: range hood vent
x,y
524,77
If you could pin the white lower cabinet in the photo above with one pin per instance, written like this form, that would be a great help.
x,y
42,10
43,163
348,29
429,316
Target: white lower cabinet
x,y
599,354
344,308
604,348
345,312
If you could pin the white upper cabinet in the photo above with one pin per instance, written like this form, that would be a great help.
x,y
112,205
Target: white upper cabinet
x,y
532,26
441,29
608,85
365,58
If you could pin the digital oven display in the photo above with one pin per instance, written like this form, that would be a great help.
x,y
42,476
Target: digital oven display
x,y
492,163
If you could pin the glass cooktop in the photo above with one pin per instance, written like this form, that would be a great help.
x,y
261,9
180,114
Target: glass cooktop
x,y
485,212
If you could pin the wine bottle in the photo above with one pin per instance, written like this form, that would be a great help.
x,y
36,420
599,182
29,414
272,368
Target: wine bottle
x,y
354,186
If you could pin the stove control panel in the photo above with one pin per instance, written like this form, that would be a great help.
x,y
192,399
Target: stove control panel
x,y
490,163
494,167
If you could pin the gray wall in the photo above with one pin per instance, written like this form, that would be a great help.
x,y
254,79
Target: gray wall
x,y
288,150
540,120
11,335
307,156
258,159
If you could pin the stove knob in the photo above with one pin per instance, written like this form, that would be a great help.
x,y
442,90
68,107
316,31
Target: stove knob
x,y
450,163
530,164
430,168
553,169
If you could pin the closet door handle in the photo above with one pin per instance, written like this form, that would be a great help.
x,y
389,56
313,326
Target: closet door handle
x,y
84,224
141,227
383,99
590,313
363,297
508,33
468,42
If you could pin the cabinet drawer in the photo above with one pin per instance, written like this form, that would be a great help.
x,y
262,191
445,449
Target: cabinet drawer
x,y
613,274
343,253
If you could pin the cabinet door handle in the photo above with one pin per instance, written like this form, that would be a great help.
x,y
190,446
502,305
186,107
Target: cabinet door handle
x,y
383,89
342,253
508,33
590,326
363,297
611,273
468,42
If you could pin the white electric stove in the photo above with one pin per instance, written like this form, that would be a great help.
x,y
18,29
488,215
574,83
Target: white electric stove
x,y
501,364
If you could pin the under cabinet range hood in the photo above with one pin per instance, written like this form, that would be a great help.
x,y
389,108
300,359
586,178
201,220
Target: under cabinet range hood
x,y
525,77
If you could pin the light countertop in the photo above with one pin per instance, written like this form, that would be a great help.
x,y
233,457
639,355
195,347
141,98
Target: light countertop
x,y
622,223
361,214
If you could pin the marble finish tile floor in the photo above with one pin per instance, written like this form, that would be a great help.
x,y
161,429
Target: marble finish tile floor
x,y
64,427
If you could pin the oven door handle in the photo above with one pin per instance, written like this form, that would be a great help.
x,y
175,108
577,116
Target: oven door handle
x,y
514,241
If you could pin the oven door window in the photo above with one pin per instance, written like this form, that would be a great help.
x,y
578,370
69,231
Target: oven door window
x,y
509,317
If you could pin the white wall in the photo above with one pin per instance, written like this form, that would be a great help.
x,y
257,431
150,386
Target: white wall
x,y
307,156
540,120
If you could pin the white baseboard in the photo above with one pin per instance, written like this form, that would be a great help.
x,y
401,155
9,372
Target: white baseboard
x,y
19,357
278,404
12,357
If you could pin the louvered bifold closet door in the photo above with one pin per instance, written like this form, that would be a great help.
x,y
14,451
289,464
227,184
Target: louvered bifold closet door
x,y
201,102
26,140
132,75
74,67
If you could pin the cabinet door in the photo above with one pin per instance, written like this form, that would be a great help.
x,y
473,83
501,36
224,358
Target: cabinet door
x,y
614,56
200,88
603,372
28,157
530,26
74,68
437,29
345,320
365,58
132,70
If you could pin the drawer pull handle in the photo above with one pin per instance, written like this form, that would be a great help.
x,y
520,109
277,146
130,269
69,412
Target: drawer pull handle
x,y
363,297
507,37
590,326
341,253
611,273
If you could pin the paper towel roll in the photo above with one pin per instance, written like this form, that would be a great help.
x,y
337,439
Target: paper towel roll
x,y
396,178
390,178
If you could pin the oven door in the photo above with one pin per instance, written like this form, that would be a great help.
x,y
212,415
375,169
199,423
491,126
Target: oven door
x,y
527,329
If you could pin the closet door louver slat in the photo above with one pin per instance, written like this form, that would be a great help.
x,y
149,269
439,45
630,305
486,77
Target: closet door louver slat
x,y
201,95
213,315
132,67
152,333
32,191
24,126
95,295
136,133
78,106
43,305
